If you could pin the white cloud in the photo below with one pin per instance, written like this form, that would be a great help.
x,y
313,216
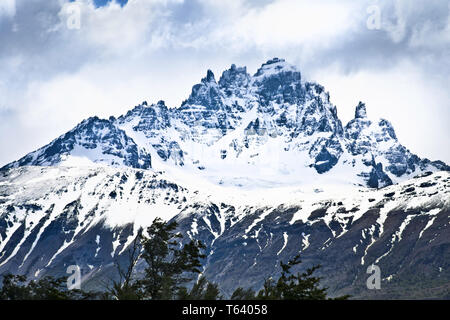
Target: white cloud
x,y
8,8
291,23
113,29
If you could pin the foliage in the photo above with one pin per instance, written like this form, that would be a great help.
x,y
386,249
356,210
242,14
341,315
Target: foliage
x,y
126,288
201,290
243,294
16,287
300,286
169,265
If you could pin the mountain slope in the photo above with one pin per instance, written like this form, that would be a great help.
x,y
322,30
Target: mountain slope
x,y
94,140
52,217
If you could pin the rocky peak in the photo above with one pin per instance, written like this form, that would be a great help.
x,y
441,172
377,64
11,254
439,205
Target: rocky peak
x,y
280,82
387,129
209,77
233,72
354,127
95,139
275,66
361,112
147,118
234,77
161,103
205,94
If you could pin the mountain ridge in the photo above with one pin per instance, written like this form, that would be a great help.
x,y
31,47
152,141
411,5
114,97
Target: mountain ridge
x,y
273,119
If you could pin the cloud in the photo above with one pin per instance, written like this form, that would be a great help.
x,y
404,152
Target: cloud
x,y
417,109
53,76
289,24
8,8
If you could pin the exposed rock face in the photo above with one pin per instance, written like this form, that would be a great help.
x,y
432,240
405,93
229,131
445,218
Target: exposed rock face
x,y
360,112
88,216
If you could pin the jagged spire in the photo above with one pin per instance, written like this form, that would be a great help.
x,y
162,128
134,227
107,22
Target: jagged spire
x,y
360,112
235,76
209,76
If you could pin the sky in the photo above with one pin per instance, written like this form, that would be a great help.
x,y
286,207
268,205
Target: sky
x,y
62,61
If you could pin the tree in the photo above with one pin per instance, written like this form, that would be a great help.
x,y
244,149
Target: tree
x,y
126,288
16,287
169,264
243,294
300,286
201,290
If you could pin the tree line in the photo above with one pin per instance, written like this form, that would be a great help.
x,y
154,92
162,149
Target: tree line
x,y
169,269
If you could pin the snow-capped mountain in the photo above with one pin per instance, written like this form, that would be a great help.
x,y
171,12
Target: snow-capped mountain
x,y
93,140
258,167
268,129
53,217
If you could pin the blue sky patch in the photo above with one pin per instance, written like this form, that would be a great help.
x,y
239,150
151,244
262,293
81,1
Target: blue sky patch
x,y
102,3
